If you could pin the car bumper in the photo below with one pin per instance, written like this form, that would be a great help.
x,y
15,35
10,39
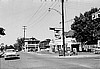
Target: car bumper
x,y
11,56
97,52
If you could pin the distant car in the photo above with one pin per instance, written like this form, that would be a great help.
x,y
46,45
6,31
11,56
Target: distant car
x,y
1,54
97,50
47,49
11,53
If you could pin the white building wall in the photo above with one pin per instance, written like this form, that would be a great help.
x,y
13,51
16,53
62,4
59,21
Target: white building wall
x,y
98,43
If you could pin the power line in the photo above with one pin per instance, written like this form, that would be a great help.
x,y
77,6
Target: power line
x,y
42,16
46,13
69,20
39,19
37,22
35,13
65,11
20,12
62,2
55,4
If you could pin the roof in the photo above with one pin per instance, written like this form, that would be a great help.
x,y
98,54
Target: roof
x,y
43,41
70,33
30,38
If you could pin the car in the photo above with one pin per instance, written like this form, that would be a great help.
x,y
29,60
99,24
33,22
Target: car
x,y
97,50
11,53
1,53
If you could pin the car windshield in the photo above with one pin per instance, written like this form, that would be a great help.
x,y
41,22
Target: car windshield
x,y
10,50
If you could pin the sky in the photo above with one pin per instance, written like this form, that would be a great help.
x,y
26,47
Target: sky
x,y
14,14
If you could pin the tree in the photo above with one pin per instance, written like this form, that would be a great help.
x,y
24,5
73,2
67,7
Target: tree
x,y
20,43
87,30
17,47
48,41
2,31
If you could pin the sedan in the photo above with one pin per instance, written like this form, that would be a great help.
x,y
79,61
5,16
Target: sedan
x,y
1,54
11,53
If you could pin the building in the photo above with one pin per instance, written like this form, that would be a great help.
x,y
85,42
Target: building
x,y
98,43
70,42
31,44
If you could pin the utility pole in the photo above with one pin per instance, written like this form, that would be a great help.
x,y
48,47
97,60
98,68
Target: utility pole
x,y
24,27
63,27
63,38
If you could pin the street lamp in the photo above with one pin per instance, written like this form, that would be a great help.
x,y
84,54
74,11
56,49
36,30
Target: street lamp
x,y
62,1
55,10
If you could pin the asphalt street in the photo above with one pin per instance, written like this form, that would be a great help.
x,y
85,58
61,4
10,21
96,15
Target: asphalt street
x,y
34,61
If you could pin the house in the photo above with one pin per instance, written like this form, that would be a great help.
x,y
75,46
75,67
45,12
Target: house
x,y
44,44
70,42
31,44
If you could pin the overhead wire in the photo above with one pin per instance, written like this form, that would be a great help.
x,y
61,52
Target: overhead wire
x,y
66,14
43,15
20,12
33,24
54,5
69,20
66,26
35,20
35,13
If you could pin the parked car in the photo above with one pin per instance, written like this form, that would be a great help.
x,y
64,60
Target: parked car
x,y
11,53
1,53
97,50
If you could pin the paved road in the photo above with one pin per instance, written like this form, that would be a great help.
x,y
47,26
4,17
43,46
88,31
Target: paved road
x,y
34,61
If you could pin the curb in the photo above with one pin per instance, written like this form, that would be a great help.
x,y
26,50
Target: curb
x,y
74,56
79,56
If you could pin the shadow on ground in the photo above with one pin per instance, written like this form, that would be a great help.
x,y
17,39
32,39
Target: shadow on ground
x,y
15,58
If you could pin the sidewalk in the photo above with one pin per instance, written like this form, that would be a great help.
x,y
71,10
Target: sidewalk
x,y
80,56
56,55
